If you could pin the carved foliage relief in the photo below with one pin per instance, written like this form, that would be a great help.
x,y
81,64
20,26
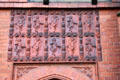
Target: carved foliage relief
x,y
54,35
43,72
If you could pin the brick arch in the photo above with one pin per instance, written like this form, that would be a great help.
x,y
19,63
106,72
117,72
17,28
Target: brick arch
x,y
67,72
56,76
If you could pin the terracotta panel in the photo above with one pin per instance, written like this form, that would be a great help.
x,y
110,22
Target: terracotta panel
x,y
48,72
72,48
72,22
54,47
54,36
54,21
37,48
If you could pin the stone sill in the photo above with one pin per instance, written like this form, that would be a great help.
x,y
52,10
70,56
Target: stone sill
x,y
59,5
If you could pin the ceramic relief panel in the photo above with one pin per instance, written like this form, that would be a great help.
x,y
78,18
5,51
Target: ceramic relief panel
x,y
54,36
47,72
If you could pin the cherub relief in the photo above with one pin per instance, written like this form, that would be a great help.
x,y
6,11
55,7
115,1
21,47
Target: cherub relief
x,y
54,22
54,47
90,47
71,24
71,46
19,24
19,47
37,23
36,47
88,25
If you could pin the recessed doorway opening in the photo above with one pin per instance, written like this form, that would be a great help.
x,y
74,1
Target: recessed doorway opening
x,y
54,79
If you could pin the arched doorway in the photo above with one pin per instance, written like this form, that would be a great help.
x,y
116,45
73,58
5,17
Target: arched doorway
x,y
54,79
55,72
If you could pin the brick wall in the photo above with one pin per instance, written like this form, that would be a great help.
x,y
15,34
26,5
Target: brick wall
x,y
5,67
109,68
119,23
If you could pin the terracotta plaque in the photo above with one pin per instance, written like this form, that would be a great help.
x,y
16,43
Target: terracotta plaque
x,y
56,35
54,71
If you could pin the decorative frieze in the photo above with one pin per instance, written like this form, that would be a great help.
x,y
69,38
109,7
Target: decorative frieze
x,y
47,72
54,36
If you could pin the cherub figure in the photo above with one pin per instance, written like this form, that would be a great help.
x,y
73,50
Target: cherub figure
x,y
54,46
37,23
37,46
71,46
54,22
70,23
89,48
19,24
19,48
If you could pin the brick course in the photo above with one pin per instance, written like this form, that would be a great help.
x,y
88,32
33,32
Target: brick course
x,y
109,68
5,67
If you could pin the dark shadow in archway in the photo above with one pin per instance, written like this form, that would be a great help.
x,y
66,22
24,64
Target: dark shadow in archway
x,y
54,79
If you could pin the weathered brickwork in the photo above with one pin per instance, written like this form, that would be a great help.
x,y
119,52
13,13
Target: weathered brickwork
x,y
108,68
5,67
119,24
